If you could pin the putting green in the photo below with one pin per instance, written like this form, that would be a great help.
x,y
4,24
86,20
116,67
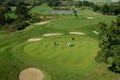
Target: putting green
x,y
80,56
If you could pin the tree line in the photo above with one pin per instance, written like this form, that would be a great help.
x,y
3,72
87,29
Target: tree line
x,y
84,3
112,9
109,44
69,3
106,9
23,17
26,2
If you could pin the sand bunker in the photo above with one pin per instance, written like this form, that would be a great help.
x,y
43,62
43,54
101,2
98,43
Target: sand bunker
x,y
31,74
34,39
41,23
52,34
78,33
95,32
89,17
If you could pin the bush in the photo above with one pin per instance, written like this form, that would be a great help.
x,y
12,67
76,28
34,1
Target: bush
x,y
21,25
1,26
54,3
2,19
9,19
61,8
35,19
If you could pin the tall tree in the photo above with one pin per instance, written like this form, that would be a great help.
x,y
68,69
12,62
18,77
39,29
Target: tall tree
x,y
4,8
117,10
109,43
54,2
96,8
21,11
79,4
105,9
2,19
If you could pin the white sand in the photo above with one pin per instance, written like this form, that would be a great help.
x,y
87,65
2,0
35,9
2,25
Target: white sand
x,y
31,74
41,23
78,33
34,39
51,34
95,32
89,17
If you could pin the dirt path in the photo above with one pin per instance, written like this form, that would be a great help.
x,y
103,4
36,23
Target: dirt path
x,y
31,74
78,33
51,34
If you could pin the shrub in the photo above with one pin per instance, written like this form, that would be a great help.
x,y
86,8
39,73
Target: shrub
x,y
21,25
35,19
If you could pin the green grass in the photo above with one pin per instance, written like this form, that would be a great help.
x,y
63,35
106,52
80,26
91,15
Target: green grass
x,y
57,62
12,15
40,9
62,54
13,8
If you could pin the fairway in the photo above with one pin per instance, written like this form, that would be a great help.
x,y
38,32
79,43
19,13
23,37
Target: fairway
x,y
78,58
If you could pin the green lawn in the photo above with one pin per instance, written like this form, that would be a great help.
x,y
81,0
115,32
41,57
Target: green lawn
x,y
57,62
40,9
64,56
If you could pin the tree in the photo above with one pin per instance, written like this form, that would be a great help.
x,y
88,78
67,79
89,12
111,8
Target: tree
x,y
84,3
1,1
118,20
79,4
21,11
4,8
54,2
109,43
96,8
105,9
101,57
117,10
2,19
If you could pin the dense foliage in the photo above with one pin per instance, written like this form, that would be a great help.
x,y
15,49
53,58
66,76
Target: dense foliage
x,y
26,2
21,12
11,24
84,3
54,2
109,43
112,9
4,8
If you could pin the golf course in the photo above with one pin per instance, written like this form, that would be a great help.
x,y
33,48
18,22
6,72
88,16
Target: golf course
x,y
44,45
